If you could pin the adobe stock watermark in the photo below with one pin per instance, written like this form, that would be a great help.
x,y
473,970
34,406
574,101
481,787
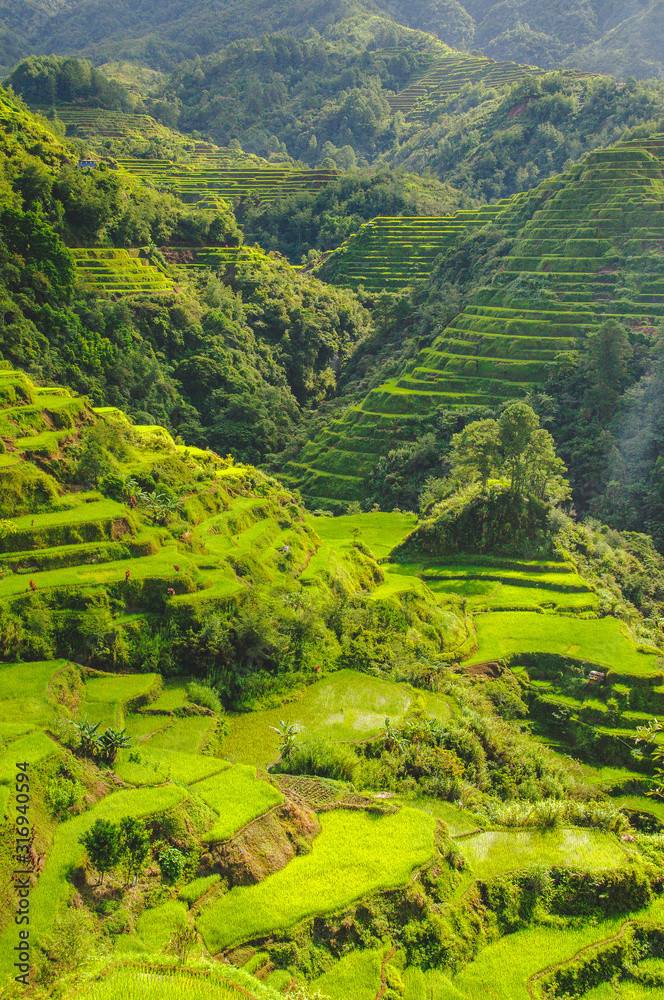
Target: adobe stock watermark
x,y
24,871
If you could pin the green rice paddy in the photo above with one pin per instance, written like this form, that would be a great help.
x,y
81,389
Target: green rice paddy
x,y
52,887
150,983
24,692
106,697
355,854
503,342
31,749
600,641
237,795
356,975
157,767
346,705
493,852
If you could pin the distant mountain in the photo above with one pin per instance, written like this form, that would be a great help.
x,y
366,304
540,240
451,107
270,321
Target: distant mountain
x,y
623,38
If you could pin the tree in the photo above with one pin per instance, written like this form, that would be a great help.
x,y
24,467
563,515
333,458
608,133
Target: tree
x,y
171,862
134,846
7,528
111,741
102,842
514,445
648,735
516,427
475,451
608,353
287,732
88,738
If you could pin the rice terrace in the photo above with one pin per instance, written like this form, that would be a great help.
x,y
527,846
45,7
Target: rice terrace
x,y
331,501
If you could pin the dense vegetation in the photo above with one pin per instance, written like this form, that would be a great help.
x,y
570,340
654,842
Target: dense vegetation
x,y
263,338
593,34
402,743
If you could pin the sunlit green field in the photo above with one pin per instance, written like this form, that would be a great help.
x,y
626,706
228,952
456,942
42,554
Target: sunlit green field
x,y
346,705
501,970
24,692
355,854
356,975
600,640
237,796
496,851
149,984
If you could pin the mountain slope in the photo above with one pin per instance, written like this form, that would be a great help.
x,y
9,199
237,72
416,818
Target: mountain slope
x,y
621,37
580,252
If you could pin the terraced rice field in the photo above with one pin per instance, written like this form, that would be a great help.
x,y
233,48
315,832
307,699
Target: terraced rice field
x,y
599,640
347,706
580,258
98,123
447,76
355,854
494,852
53,887
215,175
390,252
136,982
120,272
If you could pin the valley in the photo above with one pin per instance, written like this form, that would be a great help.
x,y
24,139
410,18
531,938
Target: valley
x,y
331,511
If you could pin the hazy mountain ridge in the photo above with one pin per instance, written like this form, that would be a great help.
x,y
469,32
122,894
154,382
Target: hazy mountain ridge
x,y
593,34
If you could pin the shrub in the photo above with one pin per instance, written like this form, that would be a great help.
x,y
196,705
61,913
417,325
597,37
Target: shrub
x,y
201,693
320,757
171,863
62,793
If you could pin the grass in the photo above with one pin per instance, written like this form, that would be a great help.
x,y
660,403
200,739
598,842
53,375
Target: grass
x,y
642,803
354,855
601,640
624,991
158,565
346,705
458,820
31,748
193,890
184,736
380,531
24,692
356,975
156,767
173,695
53,887
156,925
237,796
105,697
96,510
496,851
149,983
502,969
430,985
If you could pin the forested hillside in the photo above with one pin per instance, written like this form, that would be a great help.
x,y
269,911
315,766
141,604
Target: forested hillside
x,y
599,35
331,501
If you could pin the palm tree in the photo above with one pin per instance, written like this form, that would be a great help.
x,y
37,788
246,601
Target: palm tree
x,y
287,731
87,734
113,740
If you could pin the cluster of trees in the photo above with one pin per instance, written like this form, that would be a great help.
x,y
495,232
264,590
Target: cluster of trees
x,y
594,34
322,101
125,844
491,143
514,446
231,364
303,223
46,80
